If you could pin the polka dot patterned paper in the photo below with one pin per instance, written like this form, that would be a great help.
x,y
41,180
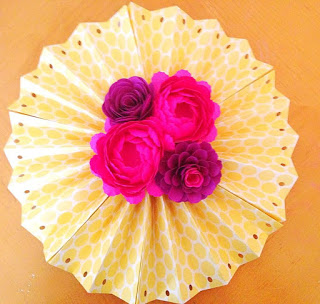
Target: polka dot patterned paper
x,y
157,249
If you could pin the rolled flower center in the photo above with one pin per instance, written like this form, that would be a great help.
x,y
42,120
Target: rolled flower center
x,y
128,102
193,178
183,109
130,155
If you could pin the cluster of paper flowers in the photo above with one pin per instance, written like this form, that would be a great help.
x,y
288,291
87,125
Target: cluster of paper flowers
x,y
159,136
157,139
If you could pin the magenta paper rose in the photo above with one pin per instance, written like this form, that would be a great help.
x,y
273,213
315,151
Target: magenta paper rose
x,y
184,106
128,100
128,157
189,173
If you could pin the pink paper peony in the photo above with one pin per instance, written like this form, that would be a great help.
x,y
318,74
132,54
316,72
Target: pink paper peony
x,y
128,157
184,106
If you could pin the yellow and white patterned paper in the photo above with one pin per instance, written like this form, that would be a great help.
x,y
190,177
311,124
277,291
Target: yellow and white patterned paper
x,y
157,249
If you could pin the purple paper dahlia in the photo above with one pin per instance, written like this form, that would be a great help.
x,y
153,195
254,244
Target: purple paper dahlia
x,y
189,173
128,100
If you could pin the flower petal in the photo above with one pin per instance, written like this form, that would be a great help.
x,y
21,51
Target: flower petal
x,y
205,146
176,180
154,190
193,147
173,161
111,191
181,147
191,160
200,154
136,199
205,84
164,186
163,167
175,194
212,134
158,79
194,198
207,190
182,73
107,124
168,143
95,164
94,140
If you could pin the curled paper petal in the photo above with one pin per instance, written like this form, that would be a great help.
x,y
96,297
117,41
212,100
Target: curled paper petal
x,y
110,190
135,199
107,125
94,139
182,73
157,79
154,190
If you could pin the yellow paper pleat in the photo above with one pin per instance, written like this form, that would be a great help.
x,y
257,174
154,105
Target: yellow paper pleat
x,y
55,211
31,174
31,132
54,109
132,251
80,56
105,254
55,81
169,40
154,33
33,137
176,237
159,277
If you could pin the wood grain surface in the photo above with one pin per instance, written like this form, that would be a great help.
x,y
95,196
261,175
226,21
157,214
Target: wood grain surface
x,y
283,33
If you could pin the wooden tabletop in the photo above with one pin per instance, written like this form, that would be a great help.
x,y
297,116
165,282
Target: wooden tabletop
x,y
282,33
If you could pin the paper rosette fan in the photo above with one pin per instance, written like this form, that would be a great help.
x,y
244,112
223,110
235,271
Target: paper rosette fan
x,y
157,249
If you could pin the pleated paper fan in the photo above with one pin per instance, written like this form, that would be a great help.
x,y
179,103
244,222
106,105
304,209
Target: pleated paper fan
x,y
157,249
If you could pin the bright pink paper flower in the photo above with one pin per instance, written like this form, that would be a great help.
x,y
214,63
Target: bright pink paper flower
x,y
128,157
184,106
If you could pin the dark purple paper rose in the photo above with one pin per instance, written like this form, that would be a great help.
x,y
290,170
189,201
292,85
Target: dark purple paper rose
x,y
189,173
128,99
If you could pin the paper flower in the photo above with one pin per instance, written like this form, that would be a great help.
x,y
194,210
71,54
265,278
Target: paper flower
x,y
128,157
184,106
128,99
189,173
